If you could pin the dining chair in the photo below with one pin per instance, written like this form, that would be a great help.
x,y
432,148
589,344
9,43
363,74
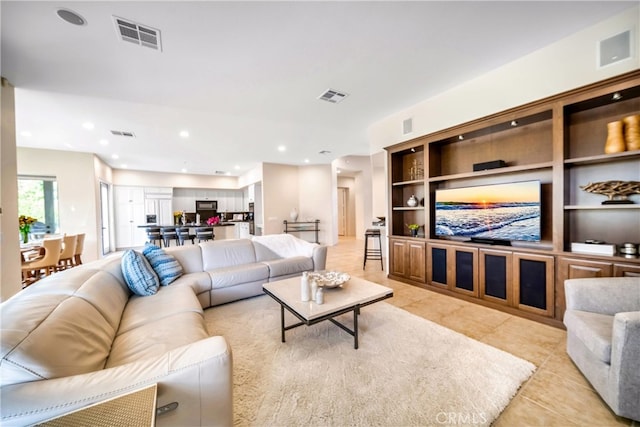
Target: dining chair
x,y
79,248
183,235
32,271
204,234
68,252
153,235
168,234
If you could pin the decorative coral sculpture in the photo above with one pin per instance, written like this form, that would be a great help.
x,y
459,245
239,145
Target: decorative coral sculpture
x,y
616,191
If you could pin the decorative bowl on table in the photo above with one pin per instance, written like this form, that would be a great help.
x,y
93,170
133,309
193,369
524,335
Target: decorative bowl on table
x,y
329,279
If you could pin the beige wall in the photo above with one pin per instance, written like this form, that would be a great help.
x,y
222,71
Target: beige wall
x,y
78,197
311,190
562,66
173,180
10,276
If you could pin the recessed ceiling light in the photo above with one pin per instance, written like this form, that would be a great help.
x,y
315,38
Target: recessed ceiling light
x,y
306,160
338,171
123,166
282,148
228,174
183,170
26,133
71,17
184,134
115,156
236,167
104,142
88,125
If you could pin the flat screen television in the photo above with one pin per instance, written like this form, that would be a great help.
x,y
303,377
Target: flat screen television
x,y
495,213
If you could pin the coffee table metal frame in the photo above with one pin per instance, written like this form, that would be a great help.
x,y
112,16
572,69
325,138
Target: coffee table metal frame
x,y
355,308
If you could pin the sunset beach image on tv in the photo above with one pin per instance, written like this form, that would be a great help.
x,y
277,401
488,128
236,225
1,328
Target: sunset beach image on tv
x,y
501,212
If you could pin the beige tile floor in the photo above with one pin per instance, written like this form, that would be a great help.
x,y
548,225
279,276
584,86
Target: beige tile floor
x,y
556,394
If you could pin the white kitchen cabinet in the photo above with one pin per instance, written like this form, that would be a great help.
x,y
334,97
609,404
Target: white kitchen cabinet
x,y
161,208
129,209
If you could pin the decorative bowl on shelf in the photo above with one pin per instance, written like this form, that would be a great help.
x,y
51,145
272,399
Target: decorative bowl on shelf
x,y
329,279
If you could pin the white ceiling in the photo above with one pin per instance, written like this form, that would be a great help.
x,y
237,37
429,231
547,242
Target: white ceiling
x,y
243,77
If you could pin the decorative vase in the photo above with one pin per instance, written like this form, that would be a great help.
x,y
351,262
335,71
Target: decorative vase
x,y
412,202
414,232
632,132
294,215
615,138
25,236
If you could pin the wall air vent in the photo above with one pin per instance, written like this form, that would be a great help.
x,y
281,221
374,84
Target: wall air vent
x,y
324,152
407,126
123,133
333,96
142,35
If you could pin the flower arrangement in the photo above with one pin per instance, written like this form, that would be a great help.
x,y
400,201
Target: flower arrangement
x,y
413,228
24,223
214,220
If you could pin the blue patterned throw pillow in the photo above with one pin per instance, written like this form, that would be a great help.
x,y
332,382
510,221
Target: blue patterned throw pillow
x,y
138,274
165,265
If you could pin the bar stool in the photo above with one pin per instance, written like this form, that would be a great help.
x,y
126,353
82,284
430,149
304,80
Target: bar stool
x,y
183,235
153,235
168,234
204,234
372,253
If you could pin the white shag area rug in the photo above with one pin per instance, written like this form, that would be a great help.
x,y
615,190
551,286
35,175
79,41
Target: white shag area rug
x,y
407,371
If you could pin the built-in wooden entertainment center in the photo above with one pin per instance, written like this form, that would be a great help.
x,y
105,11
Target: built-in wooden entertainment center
x,y
558,140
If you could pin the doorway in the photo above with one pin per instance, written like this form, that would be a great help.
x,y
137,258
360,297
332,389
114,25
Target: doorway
x,y
105,218
343,210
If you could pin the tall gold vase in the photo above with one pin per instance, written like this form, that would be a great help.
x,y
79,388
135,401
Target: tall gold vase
x,y
632,132
615,138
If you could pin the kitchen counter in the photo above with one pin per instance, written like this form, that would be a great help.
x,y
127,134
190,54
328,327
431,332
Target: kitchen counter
x,y
225,229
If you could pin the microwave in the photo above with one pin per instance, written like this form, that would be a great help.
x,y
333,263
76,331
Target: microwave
x,y
206,205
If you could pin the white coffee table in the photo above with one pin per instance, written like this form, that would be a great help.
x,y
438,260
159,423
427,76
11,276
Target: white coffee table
x,y
351,296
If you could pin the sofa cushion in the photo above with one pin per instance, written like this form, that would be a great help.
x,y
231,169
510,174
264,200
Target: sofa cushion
x,y
138,274
61,327
155,324
165,265
287,266
231,276
227,253
153,339
593,329
167,302
189,256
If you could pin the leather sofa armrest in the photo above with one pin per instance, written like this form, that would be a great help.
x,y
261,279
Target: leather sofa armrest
x,y
198,376
319,257
605,295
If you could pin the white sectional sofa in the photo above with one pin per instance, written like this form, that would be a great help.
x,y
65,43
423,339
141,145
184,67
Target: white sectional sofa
x,y
80,336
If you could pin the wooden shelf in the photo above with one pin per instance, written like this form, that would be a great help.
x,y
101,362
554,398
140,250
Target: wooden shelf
x,y
603,158
403,183
499,171
598,207
407,208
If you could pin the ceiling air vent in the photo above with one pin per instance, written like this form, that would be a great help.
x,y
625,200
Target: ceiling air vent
x,y
333,96
142,35
123,133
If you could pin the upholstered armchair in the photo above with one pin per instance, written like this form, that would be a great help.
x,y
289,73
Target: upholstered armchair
x,y
603,338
